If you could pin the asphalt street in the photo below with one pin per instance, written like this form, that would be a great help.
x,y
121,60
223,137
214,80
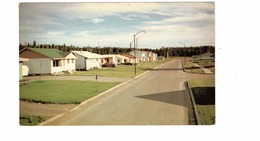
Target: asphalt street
x,y
156,98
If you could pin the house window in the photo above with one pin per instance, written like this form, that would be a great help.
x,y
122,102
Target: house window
x,y
72,61
68,61
56,63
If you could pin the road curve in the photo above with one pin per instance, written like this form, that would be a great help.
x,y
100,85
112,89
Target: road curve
x,y
156,98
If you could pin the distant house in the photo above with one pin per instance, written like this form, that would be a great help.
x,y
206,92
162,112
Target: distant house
x,y
131,59
140,55
204,56
122,59
87,60
150,56
160,58
109,58
23,69
48,61
144,56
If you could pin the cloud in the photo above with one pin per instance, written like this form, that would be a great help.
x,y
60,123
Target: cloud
x,y
54,33
81,24
97,20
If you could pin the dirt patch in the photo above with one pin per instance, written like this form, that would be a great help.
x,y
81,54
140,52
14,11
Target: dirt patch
x,y
38,109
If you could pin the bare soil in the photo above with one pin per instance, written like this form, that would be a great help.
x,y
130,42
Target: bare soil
x,y
38,109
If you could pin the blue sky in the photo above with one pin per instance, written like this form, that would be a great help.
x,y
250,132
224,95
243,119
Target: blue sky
x,y
114,24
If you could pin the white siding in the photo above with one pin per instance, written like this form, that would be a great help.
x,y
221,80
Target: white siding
x,y
120,61
71,56
56,70
39,66
93,63
69,66
80,62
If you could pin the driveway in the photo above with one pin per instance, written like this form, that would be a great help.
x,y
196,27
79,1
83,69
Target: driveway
x,y
156,98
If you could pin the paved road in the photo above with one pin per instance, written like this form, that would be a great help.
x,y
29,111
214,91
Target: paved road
x,y
156,98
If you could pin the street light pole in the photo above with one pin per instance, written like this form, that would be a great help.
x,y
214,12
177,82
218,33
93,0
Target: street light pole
x,y
184,53
135,48
135,54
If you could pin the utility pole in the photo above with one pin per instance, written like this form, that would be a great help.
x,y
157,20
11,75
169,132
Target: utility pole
x,y
135,54
135,48
184,53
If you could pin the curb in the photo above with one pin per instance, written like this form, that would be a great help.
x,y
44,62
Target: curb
x,y
95,97
194,105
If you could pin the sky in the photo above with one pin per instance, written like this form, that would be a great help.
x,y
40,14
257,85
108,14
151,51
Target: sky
x,y
114,24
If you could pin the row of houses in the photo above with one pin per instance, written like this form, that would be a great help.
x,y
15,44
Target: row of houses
x,y
53,61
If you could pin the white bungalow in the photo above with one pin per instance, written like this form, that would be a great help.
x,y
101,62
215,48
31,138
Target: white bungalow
x,y
87,60
131,59
144,56
48,61
111,58
23,69
122,59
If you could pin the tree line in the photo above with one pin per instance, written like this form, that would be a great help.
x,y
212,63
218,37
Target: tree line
x,y
163,51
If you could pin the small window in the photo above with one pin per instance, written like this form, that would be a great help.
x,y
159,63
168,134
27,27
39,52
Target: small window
x,y
56,63
68,61
72,61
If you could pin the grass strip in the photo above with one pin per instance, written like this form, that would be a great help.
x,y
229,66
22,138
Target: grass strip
x,y
62,91
204,94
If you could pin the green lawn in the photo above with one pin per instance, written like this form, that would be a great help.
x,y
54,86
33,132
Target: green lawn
x,y
207,114
205,63
203,82
204,94
190,67
62,91
123,70
209,64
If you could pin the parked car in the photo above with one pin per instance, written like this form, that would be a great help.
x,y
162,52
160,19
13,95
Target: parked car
x,y
109,64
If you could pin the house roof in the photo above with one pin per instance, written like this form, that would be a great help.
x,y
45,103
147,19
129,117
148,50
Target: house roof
x,y
87,54
51,53
108,56
122,57
207,54
23,59
128,55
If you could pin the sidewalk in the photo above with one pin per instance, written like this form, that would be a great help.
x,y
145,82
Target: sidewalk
x,y
207,71
80,78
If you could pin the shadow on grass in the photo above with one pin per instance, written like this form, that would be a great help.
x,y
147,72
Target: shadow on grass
x,y
204,95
